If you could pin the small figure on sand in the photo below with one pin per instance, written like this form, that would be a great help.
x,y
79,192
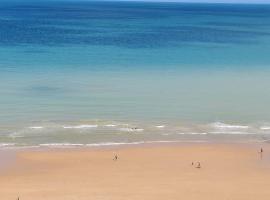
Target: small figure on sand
x,y
115,157
261,153
198,165
192,163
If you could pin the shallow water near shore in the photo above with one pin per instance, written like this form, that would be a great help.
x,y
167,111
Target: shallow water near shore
x,y
100,133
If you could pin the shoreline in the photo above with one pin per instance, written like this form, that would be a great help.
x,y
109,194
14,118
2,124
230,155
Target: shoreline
x,y
109,132
112,145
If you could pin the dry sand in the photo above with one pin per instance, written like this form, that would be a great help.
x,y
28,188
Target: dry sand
x,y
230,172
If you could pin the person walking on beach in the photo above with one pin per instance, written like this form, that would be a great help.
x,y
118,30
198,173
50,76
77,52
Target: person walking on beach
x,y
261,153
115,157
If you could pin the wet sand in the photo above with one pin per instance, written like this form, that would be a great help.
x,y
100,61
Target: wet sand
x,y
229,172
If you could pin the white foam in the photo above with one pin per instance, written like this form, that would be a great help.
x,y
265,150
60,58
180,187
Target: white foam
x,y
69,145
265,127
81,126
192,133
181,133
15,135
20,147
220,125
160,126
131,129
162,141
60,144
110,125
165,134
113,144
198,133
127,143
36,127
231,132
7,144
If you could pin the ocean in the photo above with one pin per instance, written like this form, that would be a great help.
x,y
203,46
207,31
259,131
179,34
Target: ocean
x,y
112,73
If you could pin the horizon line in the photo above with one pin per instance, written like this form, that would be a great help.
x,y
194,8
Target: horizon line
x,y
146,1
174,1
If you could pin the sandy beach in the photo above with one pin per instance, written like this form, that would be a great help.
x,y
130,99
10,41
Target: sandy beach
x,y
231,172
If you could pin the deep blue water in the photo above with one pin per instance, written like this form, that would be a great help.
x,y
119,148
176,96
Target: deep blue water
x,y
134,35
133,62
132,25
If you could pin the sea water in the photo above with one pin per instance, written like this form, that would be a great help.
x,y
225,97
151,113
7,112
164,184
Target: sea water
x,y
103,73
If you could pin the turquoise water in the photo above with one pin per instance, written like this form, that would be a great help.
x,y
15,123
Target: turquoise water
x,y
118,72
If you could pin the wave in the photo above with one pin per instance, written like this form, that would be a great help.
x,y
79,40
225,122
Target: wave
x,y
15,135
60,144
14,147
113,144
80,127
110,125
36,127
193,133
130,143
62,133
232,132
165,134
131,129
68,145
7,144
220,125
160,126
265,127
101,144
